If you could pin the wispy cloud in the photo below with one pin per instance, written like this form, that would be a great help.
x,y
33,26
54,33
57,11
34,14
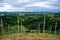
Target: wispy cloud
x,y
22,5
9,7
45,4
21,1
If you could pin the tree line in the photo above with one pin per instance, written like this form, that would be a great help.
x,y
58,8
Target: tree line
x,y
39,23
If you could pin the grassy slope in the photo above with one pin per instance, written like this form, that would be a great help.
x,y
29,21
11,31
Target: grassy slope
x,y
30,36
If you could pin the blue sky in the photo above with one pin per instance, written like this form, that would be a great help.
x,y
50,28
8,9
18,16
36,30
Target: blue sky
x,y
30,5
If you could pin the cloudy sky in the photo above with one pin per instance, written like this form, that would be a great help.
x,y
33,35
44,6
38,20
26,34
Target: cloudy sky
x,y
30,5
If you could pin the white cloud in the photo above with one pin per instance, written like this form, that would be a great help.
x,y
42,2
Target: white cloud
x,y
5,6
40,4
21,1
15,5
52,0
45,4
8,7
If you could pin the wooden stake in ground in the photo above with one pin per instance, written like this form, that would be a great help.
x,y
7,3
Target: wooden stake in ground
x,y
44,25
8,29
55,28
18,24
38,28
2,26
21,27
50,29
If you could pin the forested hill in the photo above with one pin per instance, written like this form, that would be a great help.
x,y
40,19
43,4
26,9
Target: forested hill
x,y
29,12
31,21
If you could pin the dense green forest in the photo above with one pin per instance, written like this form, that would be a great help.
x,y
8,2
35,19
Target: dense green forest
x,y
27,22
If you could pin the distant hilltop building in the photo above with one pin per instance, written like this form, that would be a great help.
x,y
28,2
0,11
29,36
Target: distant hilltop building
x,y
21,14
1,14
